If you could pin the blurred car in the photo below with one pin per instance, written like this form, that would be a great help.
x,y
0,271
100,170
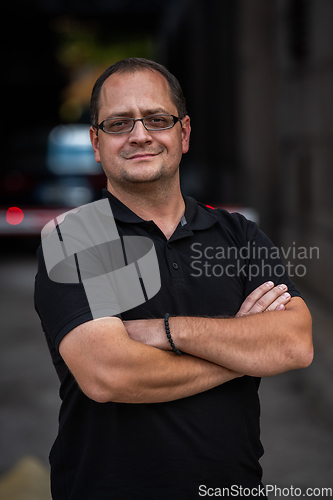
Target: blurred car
x,y
70,178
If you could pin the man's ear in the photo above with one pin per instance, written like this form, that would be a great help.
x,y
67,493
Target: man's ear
x,y
95,143
186,132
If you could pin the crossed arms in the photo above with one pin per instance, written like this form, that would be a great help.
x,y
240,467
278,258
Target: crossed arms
x,y
131,362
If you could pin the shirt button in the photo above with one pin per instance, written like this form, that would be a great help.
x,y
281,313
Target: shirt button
x,y
175,265
169,245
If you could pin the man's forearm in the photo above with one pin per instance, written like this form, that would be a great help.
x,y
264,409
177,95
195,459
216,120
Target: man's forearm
x,y
169,377
259,345
110,366
271,334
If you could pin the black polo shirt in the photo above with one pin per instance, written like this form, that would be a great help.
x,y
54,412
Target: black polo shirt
x,y
172,450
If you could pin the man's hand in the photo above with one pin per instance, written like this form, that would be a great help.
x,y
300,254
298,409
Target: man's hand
x,y
266,297
148,331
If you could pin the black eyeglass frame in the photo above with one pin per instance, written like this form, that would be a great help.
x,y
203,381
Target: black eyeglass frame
x,y
175,120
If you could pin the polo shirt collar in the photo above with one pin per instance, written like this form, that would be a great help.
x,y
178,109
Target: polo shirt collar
x,y
196,215
119,210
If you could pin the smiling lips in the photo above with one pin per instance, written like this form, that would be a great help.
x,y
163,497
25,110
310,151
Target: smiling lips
x,y
142,156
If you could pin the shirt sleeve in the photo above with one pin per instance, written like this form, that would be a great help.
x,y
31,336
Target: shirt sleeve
x,y
264,262
61,306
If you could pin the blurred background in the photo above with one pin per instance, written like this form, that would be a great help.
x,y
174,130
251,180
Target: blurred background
x,y
258,79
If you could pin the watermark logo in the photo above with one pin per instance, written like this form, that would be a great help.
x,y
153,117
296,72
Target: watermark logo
x,y
83,246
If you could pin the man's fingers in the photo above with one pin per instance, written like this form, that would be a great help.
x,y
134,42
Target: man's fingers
x,y
282,300
271,299
269,302
254,296
280,307
264,298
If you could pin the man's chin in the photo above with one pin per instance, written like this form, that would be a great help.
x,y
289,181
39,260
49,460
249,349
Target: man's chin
x,y
143,177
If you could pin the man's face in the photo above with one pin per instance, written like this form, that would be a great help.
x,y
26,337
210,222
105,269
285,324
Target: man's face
x,y
139,156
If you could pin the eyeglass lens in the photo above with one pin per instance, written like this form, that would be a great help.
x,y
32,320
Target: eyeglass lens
x,y
155,122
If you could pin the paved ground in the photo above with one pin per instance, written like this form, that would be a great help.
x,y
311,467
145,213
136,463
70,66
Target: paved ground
x,y
297,407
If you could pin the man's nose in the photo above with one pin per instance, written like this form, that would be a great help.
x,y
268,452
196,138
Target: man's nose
x,y
140,134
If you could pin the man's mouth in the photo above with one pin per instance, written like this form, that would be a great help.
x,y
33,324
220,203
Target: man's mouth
x,y
142,156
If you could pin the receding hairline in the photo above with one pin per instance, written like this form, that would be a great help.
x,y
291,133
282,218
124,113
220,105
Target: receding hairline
x,y
134,69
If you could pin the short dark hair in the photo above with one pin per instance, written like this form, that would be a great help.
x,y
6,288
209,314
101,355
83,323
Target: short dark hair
x,y
135,64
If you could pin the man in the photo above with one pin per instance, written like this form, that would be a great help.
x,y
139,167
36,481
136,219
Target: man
x,y
138,420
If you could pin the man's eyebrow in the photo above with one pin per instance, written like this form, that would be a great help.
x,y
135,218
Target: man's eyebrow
x,y
155,111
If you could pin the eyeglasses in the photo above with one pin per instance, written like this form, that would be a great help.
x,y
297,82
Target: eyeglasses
x,y
121,125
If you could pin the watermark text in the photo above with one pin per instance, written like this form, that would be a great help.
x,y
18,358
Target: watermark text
x,y
250,261
263,491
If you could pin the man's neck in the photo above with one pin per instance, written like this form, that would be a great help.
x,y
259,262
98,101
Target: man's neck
x,y
164,206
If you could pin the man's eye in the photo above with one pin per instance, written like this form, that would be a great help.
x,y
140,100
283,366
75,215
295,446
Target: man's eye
x,y
156,121
119,123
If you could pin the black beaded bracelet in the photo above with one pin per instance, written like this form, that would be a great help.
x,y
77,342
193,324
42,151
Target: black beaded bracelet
x,y
167,329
